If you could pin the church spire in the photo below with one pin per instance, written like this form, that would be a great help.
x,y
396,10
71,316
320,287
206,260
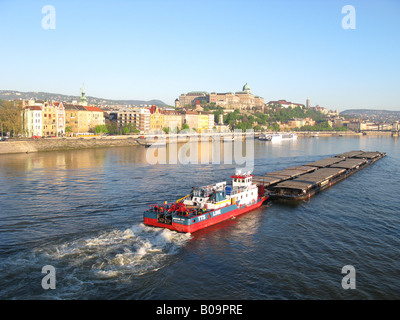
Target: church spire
x,y
83,97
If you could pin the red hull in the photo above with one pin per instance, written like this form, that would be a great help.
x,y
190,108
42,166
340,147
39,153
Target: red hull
x,y
203,224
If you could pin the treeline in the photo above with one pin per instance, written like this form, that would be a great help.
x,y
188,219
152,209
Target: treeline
x,y
11,117
111,127
285,114
259,120
321,126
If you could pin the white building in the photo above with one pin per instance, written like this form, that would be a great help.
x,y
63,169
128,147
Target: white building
x,y
32,119
210,121
140,117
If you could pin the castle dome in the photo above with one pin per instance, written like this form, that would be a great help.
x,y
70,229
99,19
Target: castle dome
x,y
246,88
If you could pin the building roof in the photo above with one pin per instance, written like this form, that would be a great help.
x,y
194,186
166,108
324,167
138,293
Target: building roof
x,y
37,108
246,87
93,109
74,107
195,93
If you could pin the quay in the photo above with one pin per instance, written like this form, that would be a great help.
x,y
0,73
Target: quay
x,y
302,182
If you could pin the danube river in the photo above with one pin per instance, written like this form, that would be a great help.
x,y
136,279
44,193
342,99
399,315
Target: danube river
x,y
81,212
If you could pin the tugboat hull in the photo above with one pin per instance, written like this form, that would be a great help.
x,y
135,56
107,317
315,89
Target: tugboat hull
x,y
193,224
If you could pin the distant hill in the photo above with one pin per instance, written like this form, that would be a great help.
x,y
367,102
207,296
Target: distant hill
x,y
373,115
12,95
369,112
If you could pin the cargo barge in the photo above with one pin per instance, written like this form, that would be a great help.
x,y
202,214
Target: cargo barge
x,y
302,182
208,205
212,204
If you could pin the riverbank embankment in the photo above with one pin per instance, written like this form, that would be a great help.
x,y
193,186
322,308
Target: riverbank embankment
x,y
60,144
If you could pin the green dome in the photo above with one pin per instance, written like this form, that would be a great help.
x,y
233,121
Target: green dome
x,y
246,87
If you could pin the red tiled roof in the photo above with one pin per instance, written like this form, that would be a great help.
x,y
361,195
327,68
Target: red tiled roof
x,y
153,109
34,108
93,109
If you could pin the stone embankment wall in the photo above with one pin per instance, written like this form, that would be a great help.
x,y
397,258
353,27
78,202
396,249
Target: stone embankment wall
x,y
57,144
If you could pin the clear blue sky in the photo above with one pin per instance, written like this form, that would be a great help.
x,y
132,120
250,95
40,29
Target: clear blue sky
x,y
149,49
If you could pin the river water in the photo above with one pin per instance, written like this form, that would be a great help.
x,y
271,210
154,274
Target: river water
x,y
81,212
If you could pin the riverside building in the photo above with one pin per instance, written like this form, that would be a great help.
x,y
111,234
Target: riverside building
x,y
243,100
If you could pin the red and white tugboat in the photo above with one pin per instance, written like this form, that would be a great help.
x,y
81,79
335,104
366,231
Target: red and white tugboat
x,y
208,205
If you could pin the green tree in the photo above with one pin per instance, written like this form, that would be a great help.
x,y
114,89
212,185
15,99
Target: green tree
x,y
343,128
11,117
129,128
112,127
274,127
101,128
166,130
217,113
321,126
68,130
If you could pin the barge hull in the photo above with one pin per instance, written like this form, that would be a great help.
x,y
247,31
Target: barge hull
x,y
304,186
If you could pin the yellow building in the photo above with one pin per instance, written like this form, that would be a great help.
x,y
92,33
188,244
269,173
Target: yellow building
x,y
239,100
156,119
203,123
49,120
189,99
298,123
172,120
76,119
95,118
191,118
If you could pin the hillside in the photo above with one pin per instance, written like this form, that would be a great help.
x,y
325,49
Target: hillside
x,y
373,115
12,95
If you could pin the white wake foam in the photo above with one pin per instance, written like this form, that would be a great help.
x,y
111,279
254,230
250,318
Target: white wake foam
x,y
134,251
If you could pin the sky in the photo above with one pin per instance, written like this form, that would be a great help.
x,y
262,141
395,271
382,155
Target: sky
x,y
159,49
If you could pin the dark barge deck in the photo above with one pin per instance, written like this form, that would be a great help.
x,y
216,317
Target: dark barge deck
x,y
302,182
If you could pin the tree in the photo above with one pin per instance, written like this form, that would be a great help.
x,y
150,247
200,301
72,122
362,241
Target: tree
x,y
185,126
275,127
101,128
68,130
11,116
217,113
321,126
112,127
129,128
166,130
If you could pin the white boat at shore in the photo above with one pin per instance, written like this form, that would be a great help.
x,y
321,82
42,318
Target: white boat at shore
x,y
278,137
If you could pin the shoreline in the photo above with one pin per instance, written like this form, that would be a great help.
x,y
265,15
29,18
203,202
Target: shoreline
x,y
64,144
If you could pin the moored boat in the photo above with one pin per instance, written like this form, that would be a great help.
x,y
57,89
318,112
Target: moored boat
x,y
208,205
278,137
